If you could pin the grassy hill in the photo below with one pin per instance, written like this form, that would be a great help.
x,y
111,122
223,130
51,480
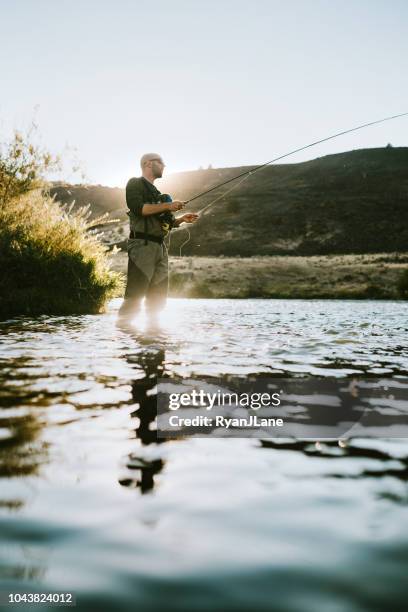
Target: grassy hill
x,y
353,202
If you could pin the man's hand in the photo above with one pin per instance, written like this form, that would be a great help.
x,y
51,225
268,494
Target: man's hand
x,y
176,205
188,218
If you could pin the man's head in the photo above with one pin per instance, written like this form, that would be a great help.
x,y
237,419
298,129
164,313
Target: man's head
x,y
152,166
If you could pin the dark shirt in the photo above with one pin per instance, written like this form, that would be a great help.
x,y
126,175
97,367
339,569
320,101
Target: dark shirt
x,y
140,191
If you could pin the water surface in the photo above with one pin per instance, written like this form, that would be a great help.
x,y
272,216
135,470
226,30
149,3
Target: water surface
x,y
90,502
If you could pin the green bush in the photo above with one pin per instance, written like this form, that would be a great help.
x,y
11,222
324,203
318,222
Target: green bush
x,y
373,290
402,284
200,290
51,261
177,282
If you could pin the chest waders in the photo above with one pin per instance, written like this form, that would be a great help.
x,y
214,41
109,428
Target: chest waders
x,y
148,270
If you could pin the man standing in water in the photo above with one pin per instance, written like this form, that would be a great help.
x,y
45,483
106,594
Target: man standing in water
x,y
151,220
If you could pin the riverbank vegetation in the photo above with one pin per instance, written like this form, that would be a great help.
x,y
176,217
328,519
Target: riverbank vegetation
x,y
379,276
51,262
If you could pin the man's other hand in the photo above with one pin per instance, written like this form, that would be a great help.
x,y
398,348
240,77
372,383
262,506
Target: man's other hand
x,y
189,218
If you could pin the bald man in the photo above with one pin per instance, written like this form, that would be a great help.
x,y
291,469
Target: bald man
x,y
151,220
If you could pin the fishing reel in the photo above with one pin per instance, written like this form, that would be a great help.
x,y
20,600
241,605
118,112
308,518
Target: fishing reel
x,y
167,219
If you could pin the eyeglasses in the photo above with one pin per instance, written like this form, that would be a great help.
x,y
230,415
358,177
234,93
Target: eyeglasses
x,y
158,160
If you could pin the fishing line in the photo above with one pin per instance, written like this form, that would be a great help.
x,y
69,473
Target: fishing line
x,y
187,240
312,144
248,173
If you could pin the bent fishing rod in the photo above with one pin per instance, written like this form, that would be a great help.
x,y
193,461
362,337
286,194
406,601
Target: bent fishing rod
x,y
248,173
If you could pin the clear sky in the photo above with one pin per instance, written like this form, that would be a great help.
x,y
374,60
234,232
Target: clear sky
x,y
221,82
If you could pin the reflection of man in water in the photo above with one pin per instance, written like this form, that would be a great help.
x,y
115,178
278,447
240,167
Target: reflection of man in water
x,y
151,220
150,365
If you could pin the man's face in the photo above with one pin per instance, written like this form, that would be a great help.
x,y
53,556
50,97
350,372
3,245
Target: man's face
x,y
157,166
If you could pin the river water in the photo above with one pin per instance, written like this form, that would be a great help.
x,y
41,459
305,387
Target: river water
x,y
91,503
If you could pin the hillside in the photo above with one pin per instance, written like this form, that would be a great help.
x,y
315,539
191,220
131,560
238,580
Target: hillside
x,y
353,202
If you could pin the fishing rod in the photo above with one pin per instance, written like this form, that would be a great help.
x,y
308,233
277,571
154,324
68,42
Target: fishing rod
x,y
245,175
248,173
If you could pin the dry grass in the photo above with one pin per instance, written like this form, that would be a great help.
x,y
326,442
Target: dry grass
x,y
51,263
377,276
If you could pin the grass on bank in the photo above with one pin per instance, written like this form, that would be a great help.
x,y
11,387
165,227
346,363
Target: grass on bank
x,y
50,261
379,276
365,276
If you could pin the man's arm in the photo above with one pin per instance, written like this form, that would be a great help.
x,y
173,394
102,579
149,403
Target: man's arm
x,y
155,209
135,203
135,196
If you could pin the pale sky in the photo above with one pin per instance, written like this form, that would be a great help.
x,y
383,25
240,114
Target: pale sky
x,y
221,82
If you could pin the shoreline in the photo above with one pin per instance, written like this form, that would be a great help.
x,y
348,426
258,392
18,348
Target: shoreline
x,y
367,276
